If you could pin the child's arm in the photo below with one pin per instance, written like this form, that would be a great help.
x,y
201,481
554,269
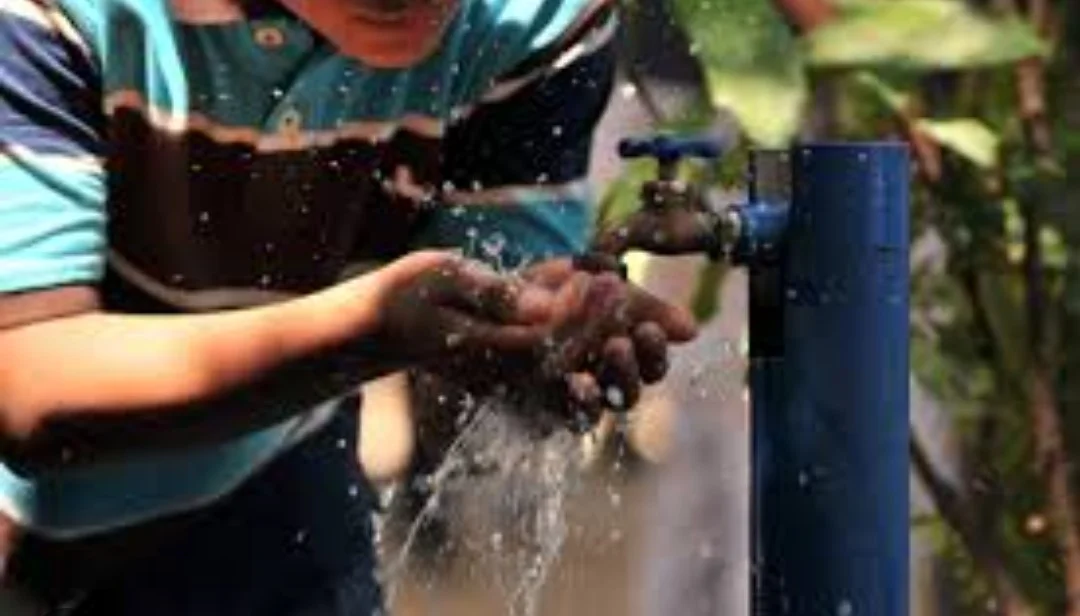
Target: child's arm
x,y
84,387
98,379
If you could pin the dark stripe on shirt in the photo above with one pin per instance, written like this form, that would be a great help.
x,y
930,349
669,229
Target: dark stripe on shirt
x,y
534,137
50,92
195,214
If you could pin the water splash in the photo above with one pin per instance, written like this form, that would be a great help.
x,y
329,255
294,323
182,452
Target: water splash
x,y
500,481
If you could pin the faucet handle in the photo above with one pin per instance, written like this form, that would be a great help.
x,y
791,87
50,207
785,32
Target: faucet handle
x,y
669,150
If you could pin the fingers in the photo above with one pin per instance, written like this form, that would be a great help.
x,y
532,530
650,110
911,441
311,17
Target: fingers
x,y
464,334
651,349
584,397
619,374
598,262
676,322
551,273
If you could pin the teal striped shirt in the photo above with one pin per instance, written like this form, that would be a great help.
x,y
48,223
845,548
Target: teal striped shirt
x,y
200,155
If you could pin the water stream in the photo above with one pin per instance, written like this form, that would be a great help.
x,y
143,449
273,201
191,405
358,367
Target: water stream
x,y
497,481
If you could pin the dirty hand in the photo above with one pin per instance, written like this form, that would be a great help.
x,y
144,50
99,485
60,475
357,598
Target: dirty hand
x,y
674,221
443,311
609,337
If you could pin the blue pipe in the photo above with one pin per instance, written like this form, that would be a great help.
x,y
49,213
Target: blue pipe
x,y
829,383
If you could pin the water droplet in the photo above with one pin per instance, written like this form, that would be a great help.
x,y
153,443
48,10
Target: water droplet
x,y
300,536
493,246
557,130
615,397
277,93
1035,524
845,608
342,444
265,280
354,491
628,91
204,217
804,479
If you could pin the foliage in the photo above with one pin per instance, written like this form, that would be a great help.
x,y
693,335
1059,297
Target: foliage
x,y
751,62
919,35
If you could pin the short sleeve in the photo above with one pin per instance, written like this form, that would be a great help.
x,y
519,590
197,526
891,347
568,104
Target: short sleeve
x,y
517,165
52,179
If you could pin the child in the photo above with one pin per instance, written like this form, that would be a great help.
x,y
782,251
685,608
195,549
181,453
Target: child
x,y
217,219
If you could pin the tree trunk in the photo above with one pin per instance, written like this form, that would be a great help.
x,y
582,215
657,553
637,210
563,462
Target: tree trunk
x,y
1053,464
1051,456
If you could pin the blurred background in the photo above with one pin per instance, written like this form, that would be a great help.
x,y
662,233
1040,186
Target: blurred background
x,y
649,516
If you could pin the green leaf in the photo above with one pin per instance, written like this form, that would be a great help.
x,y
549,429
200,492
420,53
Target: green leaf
x,y
623,196
893,99
967,137
920,35
706,300
752,64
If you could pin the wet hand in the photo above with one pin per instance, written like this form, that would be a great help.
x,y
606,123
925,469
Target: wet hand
x,y
440,309
609,337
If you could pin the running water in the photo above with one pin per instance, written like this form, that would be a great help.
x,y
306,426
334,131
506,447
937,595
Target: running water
x,y
500,481
503,503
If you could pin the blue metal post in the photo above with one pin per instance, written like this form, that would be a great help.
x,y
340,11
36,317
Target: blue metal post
x,y
829,380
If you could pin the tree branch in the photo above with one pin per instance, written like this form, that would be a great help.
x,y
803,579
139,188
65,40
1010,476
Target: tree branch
x,y
960,515
1051,456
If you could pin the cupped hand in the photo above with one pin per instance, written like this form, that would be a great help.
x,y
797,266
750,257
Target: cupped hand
x,y
609,336
581,339
440,309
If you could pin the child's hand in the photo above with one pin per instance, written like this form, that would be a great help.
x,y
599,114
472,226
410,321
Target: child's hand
x,y
581,340
609,337
438,308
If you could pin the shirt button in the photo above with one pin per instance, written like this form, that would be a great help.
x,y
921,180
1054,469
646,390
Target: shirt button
x,y
269,37
290,121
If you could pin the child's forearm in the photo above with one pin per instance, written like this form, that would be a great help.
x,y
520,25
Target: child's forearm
x,y
83,388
